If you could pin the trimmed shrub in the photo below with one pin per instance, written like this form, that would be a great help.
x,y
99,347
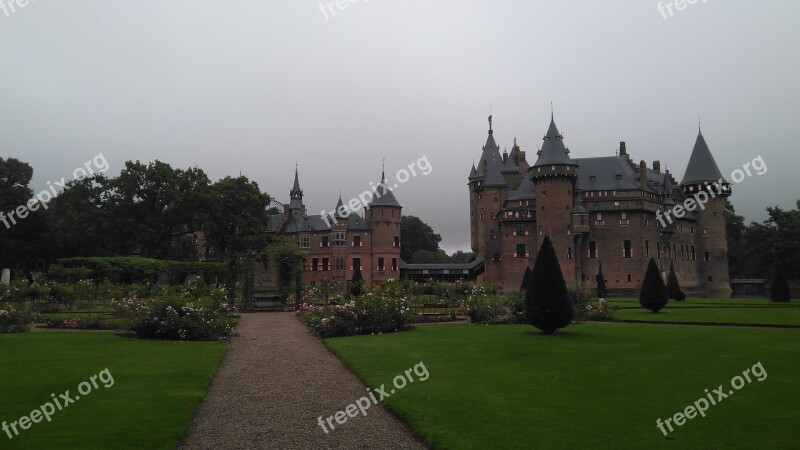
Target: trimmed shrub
x,y
357,283
779,288
526,279
547,303
602,292
653,295
673,288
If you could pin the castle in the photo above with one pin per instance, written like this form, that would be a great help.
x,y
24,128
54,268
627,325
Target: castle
x,y
605,209
335,245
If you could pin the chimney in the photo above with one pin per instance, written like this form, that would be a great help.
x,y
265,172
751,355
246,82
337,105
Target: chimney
x,y
657,166
643,172
622,150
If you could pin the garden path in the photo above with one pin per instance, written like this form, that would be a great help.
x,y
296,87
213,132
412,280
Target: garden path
x,y
274,382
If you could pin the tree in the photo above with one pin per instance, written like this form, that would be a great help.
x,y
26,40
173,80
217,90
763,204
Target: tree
x,y
779,288
357,283
526,279
462,257
735,230
602,292
776,239
653,295
673,287
417,235
430,257
547,303
22,236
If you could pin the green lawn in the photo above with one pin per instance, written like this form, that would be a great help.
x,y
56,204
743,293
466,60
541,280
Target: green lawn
x,y
740,311
156,388
590,386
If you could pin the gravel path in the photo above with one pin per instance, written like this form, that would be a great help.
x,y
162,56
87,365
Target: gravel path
x,y
273,384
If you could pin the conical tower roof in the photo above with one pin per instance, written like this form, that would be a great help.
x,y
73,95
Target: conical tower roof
x,y
702,166
553,150
383,195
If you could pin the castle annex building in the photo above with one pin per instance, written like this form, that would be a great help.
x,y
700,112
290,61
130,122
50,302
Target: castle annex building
x,y
337,245
597,210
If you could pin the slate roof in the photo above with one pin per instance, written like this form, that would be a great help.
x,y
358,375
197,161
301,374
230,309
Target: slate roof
x,y
606,170
383,195
702,166
525,191
553,150
511,166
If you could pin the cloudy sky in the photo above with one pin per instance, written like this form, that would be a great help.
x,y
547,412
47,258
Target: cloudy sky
x,y
259,86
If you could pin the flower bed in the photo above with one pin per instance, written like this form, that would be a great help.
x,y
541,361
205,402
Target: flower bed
x,y
369,314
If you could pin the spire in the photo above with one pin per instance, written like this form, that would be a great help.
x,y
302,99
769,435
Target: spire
x,y
383,195
702,166
553,149
474,172
667,189
296,194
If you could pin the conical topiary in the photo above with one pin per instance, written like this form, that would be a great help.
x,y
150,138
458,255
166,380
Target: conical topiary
x,y
547,303
601,283
653,295
526,279
357,283
779,289
673,287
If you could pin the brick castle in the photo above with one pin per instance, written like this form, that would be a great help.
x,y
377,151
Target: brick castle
x,y
597,209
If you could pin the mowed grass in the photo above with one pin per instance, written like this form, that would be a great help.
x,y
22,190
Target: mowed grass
x,y
732,311
156,388
589,386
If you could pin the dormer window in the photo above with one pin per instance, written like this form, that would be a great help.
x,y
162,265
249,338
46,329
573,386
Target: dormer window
x,y
593,178
619,176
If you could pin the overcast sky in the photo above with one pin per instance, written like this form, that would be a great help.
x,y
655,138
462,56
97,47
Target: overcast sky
x,y
257,86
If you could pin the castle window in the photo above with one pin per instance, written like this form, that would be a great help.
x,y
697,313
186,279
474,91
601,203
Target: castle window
x,y
541,230
627,251
521,251
694,257
394,264
710,279
707,257
646,249
544,193
356,264
569,252
705,233
629,278
325,242
315,264
624,219
326,264
339,239
305,241
338,263
381,266
492,235
496,257
357,241
593,249
658,250
396,242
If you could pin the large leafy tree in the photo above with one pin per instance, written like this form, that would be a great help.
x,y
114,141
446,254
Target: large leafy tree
x,y
547,303
776,239
21,238
417,235
430,257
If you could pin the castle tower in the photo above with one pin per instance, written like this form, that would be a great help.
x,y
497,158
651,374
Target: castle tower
x,y
384,214
705,184
487,191
296,207
555,174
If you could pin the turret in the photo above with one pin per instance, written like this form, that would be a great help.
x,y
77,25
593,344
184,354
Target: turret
x,y
296,207
704,184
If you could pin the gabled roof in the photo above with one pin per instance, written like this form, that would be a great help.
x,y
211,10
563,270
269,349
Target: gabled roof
x,y
383,195
525,191
553,150
606,173
511,166
702,166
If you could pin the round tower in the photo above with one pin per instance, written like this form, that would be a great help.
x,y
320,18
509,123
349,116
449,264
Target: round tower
x,y
384,214
704,183
554,174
